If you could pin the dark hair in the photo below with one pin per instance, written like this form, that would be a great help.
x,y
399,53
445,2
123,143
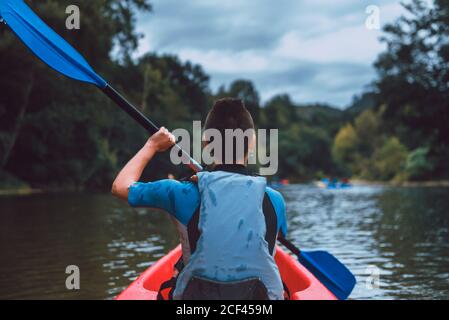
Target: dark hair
x,y
230,113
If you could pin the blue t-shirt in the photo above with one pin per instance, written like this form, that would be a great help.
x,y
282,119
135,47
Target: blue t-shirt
x,y
181,199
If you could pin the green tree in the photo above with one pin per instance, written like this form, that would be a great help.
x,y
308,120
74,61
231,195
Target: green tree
x,y
59,127
279,112
345,145
304,152
367,127
389,160
364,151
414,79
419,165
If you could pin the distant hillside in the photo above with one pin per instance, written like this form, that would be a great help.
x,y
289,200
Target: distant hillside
x,y
312,112
361,103
326,117
321,114
331,118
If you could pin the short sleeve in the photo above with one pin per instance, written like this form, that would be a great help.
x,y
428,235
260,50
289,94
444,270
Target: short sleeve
x,y
179,199
279,206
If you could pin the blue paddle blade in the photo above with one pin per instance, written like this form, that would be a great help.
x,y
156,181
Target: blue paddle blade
x,y
331,272
47,44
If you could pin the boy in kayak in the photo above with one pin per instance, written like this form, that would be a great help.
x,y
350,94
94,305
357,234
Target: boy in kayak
x,y
228,220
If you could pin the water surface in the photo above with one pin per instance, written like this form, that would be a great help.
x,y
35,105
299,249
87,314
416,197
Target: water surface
x,y
396,240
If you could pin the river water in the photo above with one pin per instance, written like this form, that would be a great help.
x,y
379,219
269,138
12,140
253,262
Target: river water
x,y
395,240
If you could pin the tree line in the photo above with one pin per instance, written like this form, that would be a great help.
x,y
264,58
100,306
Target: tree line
x,y
56,133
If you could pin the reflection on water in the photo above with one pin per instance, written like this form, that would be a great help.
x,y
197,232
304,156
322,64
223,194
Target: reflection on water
x,y
401,233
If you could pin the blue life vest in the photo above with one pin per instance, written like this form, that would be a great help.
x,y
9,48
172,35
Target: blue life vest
x,y
232,245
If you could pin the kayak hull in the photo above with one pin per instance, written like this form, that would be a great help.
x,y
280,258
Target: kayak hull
x,y
302,284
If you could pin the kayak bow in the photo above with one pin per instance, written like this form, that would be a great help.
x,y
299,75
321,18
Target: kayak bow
x,y
301,284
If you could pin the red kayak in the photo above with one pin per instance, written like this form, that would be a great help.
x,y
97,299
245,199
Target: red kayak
x,y
301,284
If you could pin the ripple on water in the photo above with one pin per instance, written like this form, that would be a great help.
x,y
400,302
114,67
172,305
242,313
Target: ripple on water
x,y
399,235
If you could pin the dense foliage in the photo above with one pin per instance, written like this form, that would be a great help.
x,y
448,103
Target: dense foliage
x,y
56,133
407,136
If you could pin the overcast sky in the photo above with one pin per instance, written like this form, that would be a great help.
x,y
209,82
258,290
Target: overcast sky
x,y
314,50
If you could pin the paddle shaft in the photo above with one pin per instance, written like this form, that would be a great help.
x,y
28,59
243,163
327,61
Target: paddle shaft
x,y
146,123
290,246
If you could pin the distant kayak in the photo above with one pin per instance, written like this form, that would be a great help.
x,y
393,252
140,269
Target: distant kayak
x,y
301,284
333,184
279,184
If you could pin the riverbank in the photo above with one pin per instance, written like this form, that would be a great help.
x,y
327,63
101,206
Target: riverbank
x,y
30,191
409,184
19,192
24,191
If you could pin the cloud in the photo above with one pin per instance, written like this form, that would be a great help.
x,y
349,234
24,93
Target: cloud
x,y
334,83
227,61
348,44
313,50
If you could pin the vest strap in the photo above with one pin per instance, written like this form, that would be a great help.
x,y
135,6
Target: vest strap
x,y
271,222
167,285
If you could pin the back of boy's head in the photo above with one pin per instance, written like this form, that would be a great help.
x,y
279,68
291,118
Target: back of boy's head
x,y
229,113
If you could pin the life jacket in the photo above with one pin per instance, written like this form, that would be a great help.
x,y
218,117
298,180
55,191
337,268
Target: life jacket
x,y
230,255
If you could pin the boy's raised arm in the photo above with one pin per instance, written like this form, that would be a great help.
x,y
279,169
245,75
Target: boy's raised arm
x,y
131,173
